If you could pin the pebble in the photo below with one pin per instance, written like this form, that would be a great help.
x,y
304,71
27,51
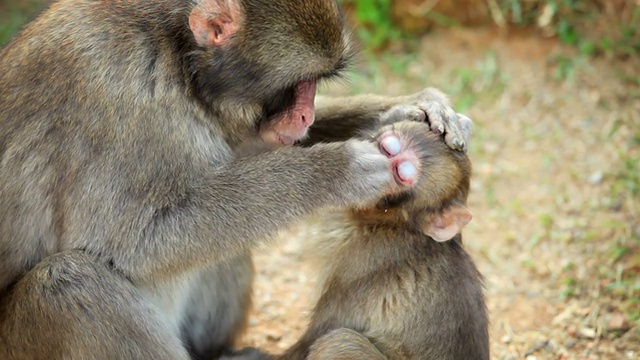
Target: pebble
x,y
587,333
596,177
617,322
274,337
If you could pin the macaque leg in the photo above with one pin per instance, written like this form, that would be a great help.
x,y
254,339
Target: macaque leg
x,y
218,308
344,344
77,308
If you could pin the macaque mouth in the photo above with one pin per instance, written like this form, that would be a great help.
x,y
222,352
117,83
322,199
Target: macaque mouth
x,y
291,121
287,140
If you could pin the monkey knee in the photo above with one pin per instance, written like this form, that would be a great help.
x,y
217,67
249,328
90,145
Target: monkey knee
x,y
66,280
82,309
346,344
66,270
65,265
342,335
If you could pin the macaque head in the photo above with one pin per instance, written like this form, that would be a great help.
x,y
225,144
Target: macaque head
x,y
436,201
257,62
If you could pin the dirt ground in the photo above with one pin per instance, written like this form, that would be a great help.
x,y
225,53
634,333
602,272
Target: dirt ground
x,y
555,195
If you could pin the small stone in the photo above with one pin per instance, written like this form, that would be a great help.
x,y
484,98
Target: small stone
x,y
531,357
506,339
274,337
596,177
617,322
588,333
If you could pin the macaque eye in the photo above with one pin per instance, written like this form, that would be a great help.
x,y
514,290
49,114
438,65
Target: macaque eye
x,y
333,75
338,71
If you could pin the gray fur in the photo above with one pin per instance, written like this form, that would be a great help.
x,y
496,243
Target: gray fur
x,y
127,214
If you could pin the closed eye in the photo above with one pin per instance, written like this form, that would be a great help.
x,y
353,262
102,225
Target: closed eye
x,y
332,75
338,72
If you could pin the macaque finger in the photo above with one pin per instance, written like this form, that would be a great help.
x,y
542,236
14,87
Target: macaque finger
x,y
467,127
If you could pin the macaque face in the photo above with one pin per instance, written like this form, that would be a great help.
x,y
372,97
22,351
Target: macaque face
x,y
270,55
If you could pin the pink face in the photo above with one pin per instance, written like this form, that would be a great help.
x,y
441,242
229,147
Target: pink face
x,y
292,124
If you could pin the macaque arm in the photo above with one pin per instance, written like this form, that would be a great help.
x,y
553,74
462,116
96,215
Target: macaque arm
x,y
339,119
224,211
343,118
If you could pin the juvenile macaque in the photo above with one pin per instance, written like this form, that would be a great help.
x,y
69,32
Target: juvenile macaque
x,y
395,280
128,205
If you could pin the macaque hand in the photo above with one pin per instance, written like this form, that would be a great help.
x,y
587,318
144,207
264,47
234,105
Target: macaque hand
x,y
434,107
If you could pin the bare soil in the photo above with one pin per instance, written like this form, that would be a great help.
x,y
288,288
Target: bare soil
x,y
556,228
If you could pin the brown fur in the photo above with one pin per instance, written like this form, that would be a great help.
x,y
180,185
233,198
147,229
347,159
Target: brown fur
x,y
411,297
387,290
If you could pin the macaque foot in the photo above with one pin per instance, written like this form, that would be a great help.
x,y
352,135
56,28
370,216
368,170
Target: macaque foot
x,y
404,161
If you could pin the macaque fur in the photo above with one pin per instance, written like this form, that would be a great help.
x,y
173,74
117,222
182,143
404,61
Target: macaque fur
x,y
387,289
127,215
387,280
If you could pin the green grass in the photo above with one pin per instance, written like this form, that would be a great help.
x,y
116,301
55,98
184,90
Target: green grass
x,y
375,25
578,23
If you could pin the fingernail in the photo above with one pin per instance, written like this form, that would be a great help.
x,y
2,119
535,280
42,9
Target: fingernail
x,y
441,128
407,171
456,142
391,145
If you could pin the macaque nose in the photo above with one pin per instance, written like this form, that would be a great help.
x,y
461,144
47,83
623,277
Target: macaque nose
x,y
308,118
305,96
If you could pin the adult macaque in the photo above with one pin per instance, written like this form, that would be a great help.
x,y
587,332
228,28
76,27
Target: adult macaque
x,y
388,290
127,215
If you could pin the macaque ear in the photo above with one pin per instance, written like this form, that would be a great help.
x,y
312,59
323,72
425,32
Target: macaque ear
x,y
213,22
443,227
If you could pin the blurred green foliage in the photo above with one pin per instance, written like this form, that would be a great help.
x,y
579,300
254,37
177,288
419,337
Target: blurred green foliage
x,y
376,26
14,14
575,23
572,21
